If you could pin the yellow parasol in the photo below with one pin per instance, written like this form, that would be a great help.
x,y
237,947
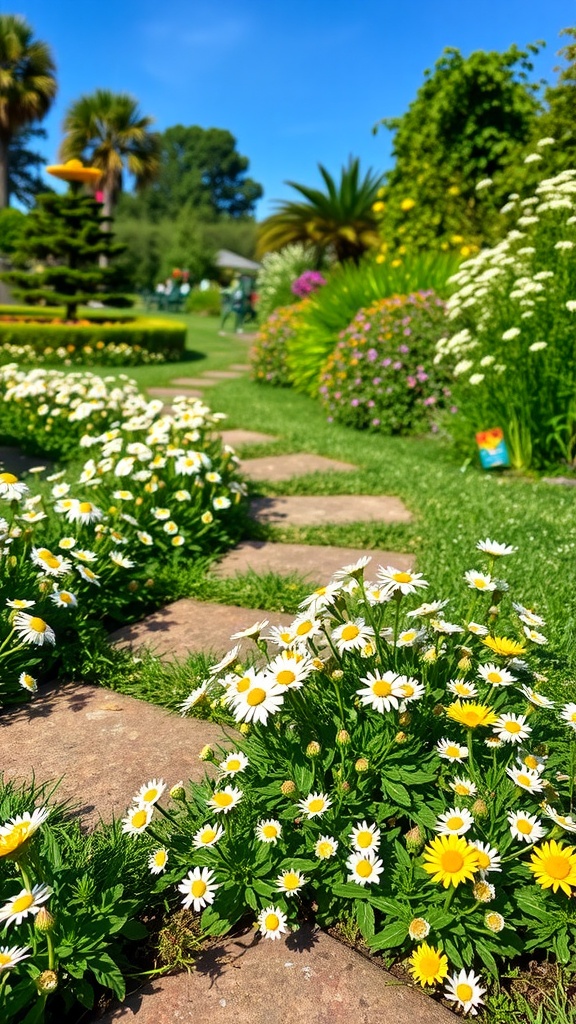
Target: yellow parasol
x,y
74,170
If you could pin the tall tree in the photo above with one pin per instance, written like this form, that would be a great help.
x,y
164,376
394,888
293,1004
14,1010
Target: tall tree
x,y
107,130
200,169
27,86
340,219
24,179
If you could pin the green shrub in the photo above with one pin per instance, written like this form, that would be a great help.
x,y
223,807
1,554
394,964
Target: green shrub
x,y
268,356
381,374
279,270
206,302
129,339
510,340
350,288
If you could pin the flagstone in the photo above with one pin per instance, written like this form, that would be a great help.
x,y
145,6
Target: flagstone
x,y
307,978
306,510
174,393
240,366
314,562
276,468
192,382
103,745
239,437
191,627
222,374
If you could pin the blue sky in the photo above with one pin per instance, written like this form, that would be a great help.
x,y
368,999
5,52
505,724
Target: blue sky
x,y
296,81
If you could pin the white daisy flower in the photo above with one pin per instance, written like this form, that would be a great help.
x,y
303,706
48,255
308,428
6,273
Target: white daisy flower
x,y
496,676
409,637
64,599
221,502
365,837
527,616
228,659
463,787
199,888
272,922
12,955
137,819
445,628
33,630
381,692
397,581
233,763
321,598
534,636
477,629
11,489
83,555
512,728
224,800
158,861
462,689
315,805
364,868
494,548
355,569
525,827
465,990
426,609
27,901
193,698
88,575
290,882
52,565
479,580
208,835
287,671
411,689
455,821
304,627
145,538
19,603
252,632
83,512
325,847
537,699
281,636
121,560
27,682
568,714
565,821
269,831
150,792
260,700
526,778
449,750
352,635
488,858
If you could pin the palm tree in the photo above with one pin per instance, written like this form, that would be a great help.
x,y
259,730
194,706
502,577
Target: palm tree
x,y
107,130
27,85
340,219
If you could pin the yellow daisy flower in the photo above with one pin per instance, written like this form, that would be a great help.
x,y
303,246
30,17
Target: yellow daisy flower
x,y
450,860
503,646
554,866
471,715
428,965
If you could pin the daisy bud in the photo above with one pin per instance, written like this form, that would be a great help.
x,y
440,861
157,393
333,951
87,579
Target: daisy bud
x,y
405,718
149,583
494,611
337,675
430,655
494,921
139,501
465,663
44,920
133,586
438,710
318,664
418,928
313,749
480,809
345,787
414,840
178,792
12,561
112,510
45,586
206,754
245,728
362,765
343,738
288,788
484,892
47,982
400,737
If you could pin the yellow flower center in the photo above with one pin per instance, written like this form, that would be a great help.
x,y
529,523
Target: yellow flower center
x,y
160,858
429,965
324,849
149,795
350,632
286,638
8,478
494,678
233,765
243,684
402,577
286,677
256,696
320,591
479,583
364,839
38,625
316,805
556,866
381,688
461,789
453,751
524,826
524,780
85,506
513,727
291,881
454,822
464,992
471,718
22,903
207,835
452,861
5,958
364,868
483,860
409,635
462,689
304,628
66,598
271,922
270,831
198,888
223,799
139,818
14,839
48,558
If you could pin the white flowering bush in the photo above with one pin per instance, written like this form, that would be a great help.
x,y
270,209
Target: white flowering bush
x,y
393,767
513,321
278,272
81,546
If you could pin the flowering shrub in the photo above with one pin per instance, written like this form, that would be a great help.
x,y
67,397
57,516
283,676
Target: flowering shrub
x,y
395,766
278,272
155,488
99,354
268,355
511,347
307,283
126,341
381,375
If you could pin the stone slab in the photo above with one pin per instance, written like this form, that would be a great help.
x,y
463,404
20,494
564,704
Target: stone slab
x,y
174,393
192,627
305,510
276,468
13,460
315,562
238,437
104,745
190,382
240,366
562,481
307,978
223,374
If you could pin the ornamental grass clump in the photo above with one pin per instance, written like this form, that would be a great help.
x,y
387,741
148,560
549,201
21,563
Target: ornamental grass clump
x,y
381,374
268,356
277,274
510,344
395,764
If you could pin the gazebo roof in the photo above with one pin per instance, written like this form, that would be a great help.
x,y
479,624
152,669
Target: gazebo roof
x,y
233,261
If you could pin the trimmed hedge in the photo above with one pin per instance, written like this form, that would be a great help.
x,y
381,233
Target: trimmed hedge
x,y
155,335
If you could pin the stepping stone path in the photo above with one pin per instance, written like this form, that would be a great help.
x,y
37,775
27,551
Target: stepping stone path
x,y
314,562
104,745
307,510
239,437
223,374
276,468
192,382
308,978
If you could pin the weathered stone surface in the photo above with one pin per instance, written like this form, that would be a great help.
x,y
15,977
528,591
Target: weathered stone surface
x,y
562,481
13,460
283,467
190,626
104,745
308,978
240,366
238,437
190,382
222,374
315,562
304,510
172,393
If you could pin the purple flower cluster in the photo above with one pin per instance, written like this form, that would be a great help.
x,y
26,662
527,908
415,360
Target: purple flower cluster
x,y
307,283
381,375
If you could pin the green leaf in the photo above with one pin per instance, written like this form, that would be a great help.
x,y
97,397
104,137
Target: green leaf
x,y
393,935
365,919
561,946
250,897
134,930
486,957
397,792
453,953
84,993
108,973
303,778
